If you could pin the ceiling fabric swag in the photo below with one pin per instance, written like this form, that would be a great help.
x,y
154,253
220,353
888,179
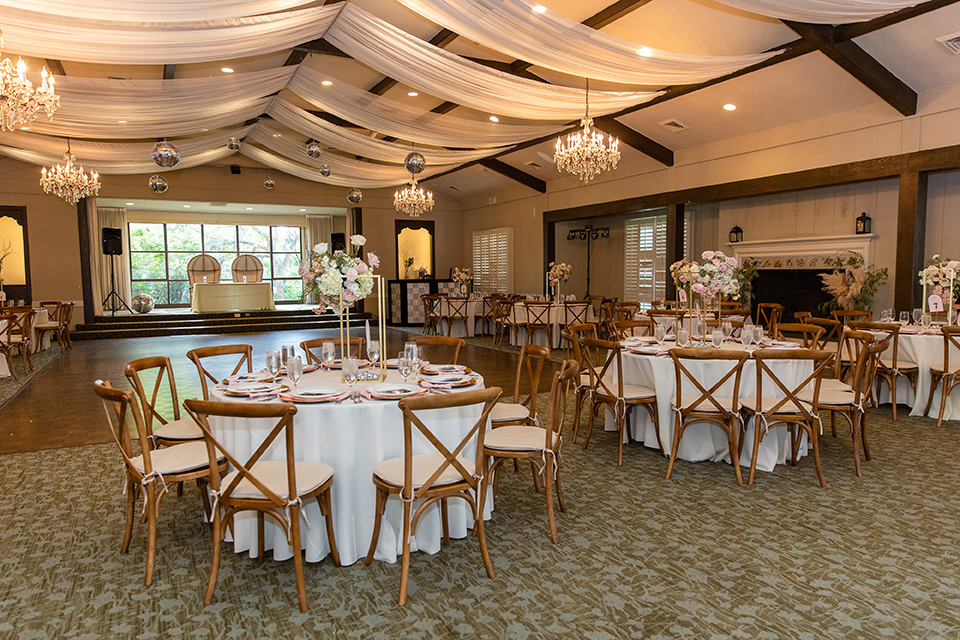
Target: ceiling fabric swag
x,y
45,35
294,150
185,121
362,145
116,168
299,170
93,152
553,41
165,11
428,68
388,117
821,11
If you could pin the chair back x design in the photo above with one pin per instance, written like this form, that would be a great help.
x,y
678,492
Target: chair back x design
x,y
168,431
456,311
436,349
539,318
356,344
809,334
201,354
624,329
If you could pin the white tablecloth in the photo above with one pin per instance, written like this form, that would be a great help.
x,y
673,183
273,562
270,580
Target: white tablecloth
x,y
474,308
557,320
703,441
230,296
353,439
35,345
924,350
4,369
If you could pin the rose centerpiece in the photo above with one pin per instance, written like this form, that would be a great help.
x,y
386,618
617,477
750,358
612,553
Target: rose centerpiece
x,y
715,276
338,279
559,272
463,278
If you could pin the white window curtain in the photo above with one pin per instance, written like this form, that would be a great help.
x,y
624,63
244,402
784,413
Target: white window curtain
x,y
554,41
344,139
49,35
319,229
115,218
426,67
821,11
493,260
403,121
166,11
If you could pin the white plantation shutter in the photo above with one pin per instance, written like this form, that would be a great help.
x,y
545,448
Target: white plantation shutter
x,y
493,260
645,258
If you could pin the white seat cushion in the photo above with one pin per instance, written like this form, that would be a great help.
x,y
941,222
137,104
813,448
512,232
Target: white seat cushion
x,y
834,385
273,474
181,458
517,438
508,412
768,404
630,391
391,471
182,429
829,397
706,405
901,365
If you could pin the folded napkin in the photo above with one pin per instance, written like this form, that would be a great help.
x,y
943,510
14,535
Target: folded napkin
x,y
365,393
259,394
426,384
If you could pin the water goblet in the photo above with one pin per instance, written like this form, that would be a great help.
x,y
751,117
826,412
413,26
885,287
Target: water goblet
x,y
273,362
917,315
404,367
287,352
350,368
294,369
727,327
659,333
716,337
904,319
373,350
329,353
925,321
757,334
683,337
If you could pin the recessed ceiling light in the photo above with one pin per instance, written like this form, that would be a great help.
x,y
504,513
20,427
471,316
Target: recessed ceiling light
x,y
277,135
129,204
539,8
226,69
186,206
327,83
302,209
646,52
494,119
249,208
412,94
121,122
729,107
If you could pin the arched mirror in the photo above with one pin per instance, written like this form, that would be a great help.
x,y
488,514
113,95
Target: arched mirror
x,y
415,249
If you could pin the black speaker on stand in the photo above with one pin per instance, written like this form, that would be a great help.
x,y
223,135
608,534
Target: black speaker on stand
x,y
113,246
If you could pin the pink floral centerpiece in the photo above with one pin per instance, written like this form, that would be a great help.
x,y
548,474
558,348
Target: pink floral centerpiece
x,y
338,279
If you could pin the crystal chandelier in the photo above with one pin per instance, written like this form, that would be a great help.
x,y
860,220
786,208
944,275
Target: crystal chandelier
x,y
413,200
69,182
585,153
20,101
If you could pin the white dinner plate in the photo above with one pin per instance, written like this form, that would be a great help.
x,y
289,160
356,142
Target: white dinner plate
x,y
438,369
455,380
257,376
314,394
394,391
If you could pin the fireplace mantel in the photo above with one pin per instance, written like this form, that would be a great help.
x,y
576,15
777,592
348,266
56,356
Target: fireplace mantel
x,y
802,253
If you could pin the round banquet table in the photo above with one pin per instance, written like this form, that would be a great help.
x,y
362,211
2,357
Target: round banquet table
x,y
474,308
702,441
520,317
924,349
353,439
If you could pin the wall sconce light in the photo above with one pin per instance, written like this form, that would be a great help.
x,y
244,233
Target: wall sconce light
x,y
864,223
736,234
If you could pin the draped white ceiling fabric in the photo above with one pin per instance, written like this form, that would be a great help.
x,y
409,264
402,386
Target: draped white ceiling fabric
x,y
165,11
821,11
47,35
553,41
446,75
359,144
403,121
118,168
281,163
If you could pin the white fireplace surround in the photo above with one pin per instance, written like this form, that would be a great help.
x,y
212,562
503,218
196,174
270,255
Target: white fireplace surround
x,y
809,251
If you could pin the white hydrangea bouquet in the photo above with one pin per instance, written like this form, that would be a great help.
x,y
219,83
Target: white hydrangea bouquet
x,y
716,274
937,274
559,272
462,276
338,279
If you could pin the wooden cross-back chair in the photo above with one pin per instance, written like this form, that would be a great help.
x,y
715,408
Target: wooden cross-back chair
x,y
624,329
522,410
434,477
769,410
608,311
769,314
431,314
575,334
626,311
595,303
612,392
456,311
810,335
19,334
175,430
538,444
832,331
574,312
275,488
153,467
201,354
436,349
945,375
313,348
889,369
844,316
503,320
486,318
53,325
706,405
539,318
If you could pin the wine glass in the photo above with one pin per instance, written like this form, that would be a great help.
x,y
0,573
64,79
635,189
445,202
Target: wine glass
x,y
329,353
683,337
273,362
925,321
904,319
917,315
716,337
659,333
746,336
757,334
885,316
404,367
287,352
373,350
350,368
727,327
294,369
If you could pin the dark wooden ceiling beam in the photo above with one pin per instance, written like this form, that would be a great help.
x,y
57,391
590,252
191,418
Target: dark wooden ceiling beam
x,y
55,66
860,64
169,70
635,139
857,29
508,67
513,173
613,13
441,39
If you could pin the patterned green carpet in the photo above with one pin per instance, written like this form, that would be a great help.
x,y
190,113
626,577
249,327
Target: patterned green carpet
x,y
10,387
639,556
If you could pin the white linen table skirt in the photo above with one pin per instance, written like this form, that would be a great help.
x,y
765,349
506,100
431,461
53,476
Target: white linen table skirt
x,y
474,309
353,439
539,337
4,369
924,350
231,296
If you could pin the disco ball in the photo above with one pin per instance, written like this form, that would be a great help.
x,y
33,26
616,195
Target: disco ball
x,y
269,183
414,162
158,183
355,196
325,170
142,303
233,144
314,150
165,154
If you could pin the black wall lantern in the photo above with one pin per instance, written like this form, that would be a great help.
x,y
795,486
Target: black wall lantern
x,y
864,223
736,234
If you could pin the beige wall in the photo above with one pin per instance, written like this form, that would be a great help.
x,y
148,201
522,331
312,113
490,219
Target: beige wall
x,y
943,215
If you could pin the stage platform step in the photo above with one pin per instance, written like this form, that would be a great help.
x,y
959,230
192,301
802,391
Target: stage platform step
x,y
175,322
